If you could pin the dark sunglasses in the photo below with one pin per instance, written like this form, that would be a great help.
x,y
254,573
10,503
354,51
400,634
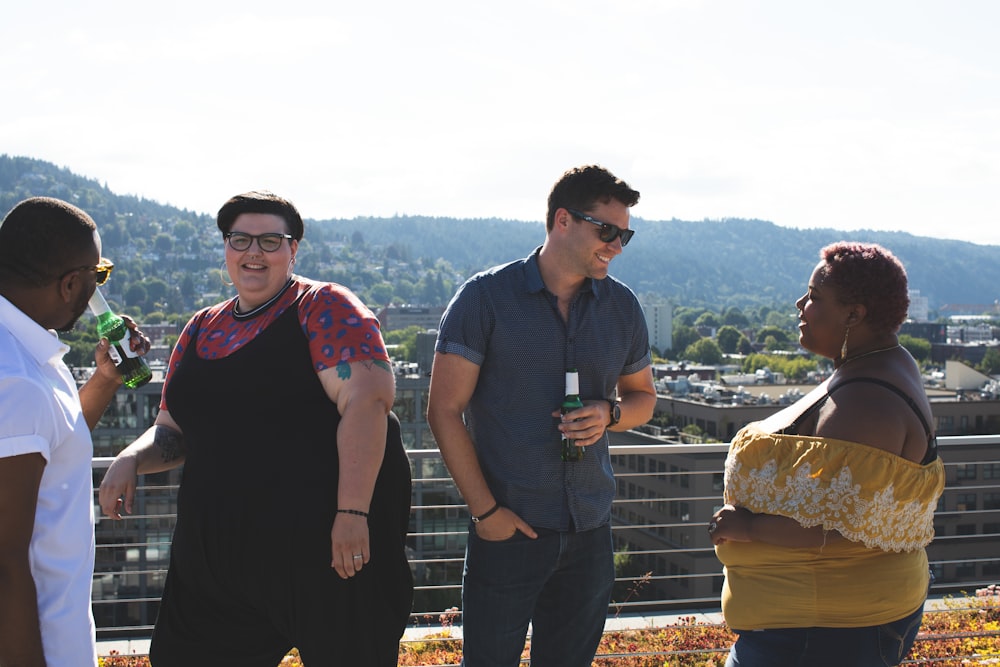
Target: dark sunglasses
x,y
101,272
607,232
240,241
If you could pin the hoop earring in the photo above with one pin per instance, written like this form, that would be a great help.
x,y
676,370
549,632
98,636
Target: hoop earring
x,y
225,272
843,348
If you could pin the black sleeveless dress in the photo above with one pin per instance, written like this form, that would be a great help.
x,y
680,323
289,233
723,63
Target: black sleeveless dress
x,y
250,573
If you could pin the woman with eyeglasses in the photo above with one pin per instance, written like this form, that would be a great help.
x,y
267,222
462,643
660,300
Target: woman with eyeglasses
x,y
294,502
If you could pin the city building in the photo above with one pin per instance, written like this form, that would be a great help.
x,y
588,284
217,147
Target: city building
x,y
393,317
660,322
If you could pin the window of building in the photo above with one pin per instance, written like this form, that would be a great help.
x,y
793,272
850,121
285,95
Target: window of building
x,y
991,501
965,502
963,570
965,471
965,529
717,481
991,471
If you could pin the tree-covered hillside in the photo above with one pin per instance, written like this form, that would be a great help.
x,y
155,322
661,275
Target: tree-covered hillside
x,y
168,259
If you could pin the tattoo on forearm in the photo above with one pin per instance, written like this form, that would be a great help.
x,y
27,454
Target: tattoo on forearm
x,y
344,368
170,442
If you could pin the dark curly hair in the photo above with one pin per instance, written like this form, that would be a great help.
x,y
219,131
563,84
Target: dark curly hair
x,y
871,275
260,201
582,187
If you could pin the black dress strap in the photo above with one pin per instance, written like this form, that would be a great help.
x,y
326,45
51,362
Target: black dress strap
x,y
793,428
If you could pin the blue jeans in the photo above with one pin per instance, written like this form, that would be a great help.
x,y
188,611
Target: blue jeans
x,y
872,646
560,583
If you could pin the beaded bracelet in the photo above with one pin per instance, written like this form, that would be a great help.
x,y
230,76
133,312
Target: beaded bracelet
x,y
354,512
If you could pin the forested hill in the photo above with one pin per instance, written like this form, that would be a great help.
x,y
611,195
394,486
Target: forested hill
x,y
713,263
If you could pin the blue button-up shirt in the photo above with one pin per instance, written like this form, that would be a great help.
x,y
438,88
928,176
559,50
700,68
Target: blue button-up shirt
x,y
506,322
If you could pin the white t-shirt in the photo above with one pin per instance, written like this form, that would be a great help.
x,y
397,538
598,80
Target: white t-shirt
x,y
40,412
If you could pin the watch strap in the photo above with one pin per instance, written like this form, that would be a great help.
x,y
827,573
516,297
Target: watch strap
x,y
615,414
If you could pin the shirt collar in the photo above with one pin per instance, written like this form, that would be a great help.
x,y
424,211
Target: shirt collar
x,y
41,343
533,275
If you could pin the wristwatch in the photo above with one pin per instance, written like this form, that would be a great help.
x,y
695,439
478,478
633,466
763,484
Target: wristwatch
x,y
616,411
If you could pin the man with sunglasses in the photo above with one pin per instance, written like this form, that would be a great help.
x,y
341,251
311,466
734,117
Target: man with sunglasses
x,y
540,548
50,265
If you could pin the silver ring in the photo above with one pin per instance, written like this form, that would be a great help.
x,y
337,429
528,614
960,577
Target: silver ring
x,y
711,527
359,555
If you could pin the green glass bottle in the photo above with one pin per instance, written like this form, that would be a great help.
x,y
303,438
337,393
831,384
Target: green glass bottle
x,y
133,368
570,452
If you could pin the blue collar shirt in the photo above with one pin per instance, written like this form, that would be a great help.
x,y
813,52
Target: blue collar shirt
x,y
507,322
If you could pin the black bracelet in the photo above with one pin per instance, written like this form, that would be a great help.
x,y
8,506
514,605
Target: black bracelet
x,y
487,514
354,512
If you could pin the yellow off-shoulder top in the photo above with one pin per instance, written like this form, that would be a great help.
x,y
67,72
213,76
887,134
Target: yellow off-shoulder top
x,y
881,503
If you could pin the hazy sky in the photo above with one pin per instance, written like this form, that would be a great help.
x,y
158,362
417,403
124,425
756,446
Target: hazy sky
x,y
851,114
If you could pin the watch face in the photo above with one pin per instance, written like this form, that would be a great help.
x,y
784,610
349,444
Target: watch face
x,y
617,413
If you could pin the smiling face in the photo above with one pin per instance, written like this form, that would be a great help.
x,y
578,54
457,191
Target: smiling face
x,y
823,317
591,254
259,275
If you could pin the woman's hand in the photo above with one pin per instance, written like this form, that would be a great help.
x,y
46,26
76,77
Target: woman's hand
x,y
118,486
731,524
350,548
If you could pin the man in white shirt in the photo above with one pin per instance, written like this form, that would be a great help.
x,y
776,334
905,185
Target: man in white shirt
x,y
50,265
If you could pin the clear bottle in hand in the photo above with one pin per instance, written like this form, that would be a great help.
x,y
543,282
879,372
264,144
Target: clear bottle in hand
x,y
570,452
133,368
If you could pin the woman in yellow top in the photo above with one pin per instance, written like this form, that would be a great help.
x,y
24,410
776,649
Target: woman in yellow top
x,y
830,502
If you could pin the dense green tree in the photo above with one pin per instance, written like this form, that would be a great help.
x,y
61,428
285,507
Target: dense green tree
x,y
920,348
708,319
187,286
728,338
990,365
683,336
793,368
135,295
780,335
380,294
163,243
686,315
733,316
156,291
780,320
704,351
406,340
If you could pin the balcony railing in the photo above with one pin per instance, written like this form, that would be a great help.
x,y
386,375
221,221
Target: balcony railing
x,y
665,562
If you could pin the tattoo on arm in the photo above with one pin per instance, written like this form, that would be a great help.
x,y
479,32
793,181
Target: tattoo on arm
x,y
344,367
170,442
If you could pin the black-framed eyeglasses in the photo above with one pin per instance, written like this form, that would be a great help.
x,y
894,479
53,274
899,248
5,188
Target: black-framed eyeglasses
x,y
101,272
240,241
608,232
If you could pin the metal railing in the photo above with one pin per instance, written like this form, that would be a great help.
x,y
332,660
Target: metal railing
x,y
666,566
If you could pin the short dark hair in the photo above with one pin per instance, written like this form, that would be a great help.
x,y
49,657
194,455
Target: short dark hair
x,y
871,275
41,238
260,201
582,187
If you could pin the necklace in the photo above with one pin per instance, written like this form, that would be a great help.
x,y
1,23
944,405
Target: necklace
x,y
237,315
868,354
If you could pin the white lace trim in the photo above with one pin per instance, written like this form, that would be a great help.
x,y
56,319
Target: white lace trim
x,y
878,521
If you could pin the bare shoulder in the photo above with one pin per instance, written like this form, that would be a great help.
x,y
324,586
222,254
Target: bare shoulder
x,y
873,414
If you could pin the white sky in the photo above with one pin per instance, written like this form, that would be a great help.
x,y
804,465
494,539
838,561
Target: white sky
x,y
851,114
